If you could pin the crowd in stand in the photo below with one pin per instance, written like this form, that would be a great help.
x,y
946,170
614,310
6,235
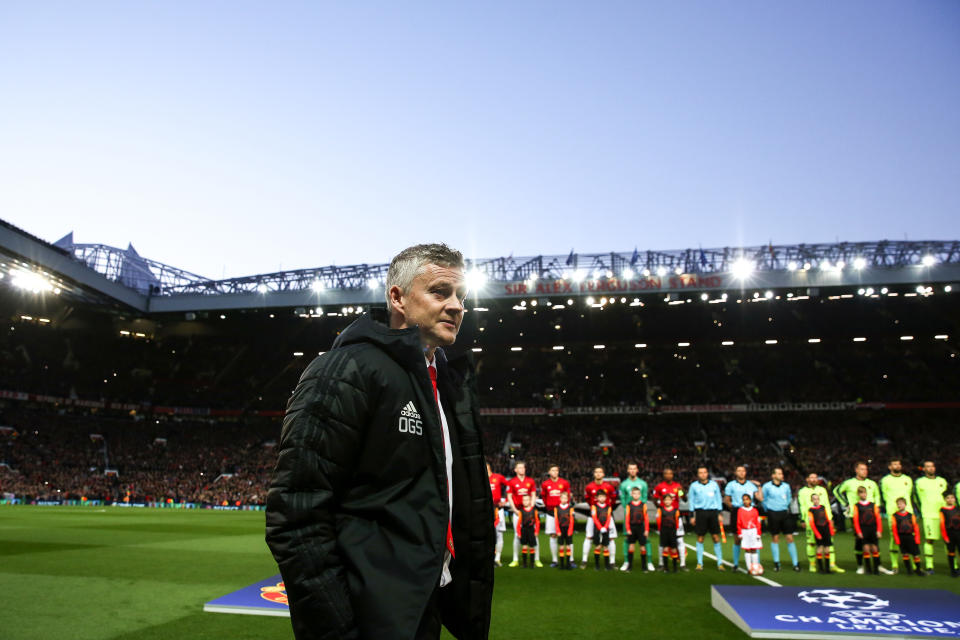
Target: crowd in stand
x,y
63,455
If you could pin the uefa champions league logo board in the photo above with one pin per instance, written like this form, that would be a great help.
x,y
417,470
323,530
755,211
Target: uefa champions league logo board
x,y
808,612
265,598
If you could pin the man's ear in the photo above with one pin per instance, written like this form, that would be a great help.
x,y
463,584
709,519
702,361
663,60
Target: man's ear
x,y
396,306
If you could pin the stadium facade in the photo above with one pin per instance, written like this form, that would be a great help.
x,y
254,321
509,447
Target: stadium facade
x,y
121,277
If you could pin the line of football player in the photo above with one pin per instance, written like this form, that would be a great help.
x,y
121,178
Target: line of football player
x,y
783,511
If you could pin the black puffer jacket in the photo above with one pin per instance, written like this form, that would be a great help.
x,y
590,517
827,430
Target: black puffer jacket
x,y
357,511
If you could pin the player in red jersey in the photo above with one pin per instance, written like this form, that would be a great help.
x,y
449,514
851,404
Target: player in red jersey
x,y
669,487
550,490
497,483
517,487
590,493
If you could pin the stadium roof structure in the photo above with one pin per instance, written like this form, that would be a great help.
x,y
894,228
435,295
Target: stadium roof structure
x,y
101,273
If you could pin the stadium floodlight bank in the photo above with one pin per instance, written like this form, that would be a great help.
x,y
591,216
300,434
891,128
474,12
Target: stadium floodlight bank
x,y
153,287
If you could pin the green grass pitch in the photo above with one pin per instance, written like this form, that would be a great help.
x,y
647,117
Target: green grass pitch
x,y
141,574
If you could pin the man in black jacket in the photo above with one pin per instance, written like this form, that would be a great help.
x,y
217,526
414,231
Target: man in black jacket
x,y
379,514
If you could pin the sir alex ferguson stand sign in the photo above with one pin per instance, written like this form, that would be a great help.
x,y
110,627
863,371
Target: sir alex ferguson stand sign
x,y
808,612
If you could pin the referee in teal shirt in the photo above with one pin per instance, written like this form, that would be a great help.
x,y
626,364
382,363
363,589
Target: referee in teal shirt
x,y
706,503
776,496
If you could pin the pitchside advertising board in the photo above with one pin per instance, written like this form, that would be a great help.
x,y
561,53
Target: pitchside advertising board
x,y
265,598
811,612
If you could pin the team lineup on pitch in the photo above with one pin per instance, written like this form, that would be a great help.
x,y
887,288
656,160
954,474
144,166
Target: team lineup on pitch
x,y
858,498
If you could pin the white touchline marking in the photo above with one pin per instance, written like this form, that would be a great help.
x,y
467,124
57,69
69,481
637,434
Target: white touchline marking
x,y
730,564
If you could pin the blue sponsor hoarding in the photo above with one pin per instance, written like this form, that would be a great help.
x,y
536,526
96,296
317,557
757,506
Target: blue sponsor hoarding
x,y
803,612
265,598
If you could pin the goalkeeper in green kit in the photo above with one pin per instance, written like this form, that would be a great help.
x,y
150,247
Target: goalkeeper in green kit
x,y
626,486
896,485
930,489
846,495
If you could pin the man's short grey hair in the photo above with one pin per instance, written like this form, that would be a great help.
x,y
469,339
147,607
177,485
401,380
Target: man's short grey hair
x,y
409,263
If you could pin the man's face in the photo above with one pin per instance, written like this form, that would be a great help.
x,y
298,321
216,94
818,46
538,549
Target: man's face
x,y
632,470
668,475
598,474
812,480
861,471
520,469
554,472
435,304
740,473
896,468
929,468
702,474
777,475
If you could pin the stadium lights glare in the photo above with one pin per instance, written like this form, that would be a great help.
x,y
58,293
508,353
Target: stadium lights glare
x,y
742,268
372,283
841,265
516,348
627,273
677,270
661,271
646,273
640,345
590,300
476,349
859,263
859,339
814,340
683,344
906,338
609,273
579,276
317,286
569,302
704,296
947,289
884,291
870,291
476,279
861,291
599,346
791,266
261,288
30,281
558,347
297,354
769,342
941,336
223,317
727,343
807,266
768,295
928,260
533,303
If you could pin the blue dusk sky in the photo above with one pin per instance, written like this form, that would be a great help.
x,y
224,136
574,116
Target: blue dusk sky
x,y
231,138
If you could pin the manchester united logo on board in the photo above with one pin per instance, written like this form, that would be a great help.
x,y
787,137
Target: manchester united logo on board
x,y
276,593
